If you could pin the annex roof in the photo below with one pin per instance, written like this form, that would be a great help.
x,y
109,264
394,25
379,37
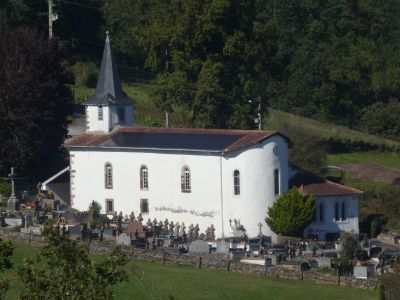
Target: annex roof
x,y
311,184
109,89
211,140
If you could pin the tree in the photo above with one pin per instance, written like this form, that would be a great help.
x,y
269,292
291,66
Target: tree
x,y
6,251
291,213
68,271
34,101
349,244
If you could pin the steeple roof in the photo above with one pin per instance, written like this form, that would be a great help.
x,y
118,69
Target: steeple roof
x,y
109,89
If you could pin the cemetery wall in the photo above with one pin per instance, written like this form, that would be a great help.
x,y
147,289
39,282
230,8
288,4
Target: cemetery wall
x,y
220,262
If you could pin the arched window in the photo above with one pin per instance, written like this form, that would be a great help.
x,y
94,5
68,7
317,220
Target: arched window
x,y
108,176
144,178
185,180
337,216
321,212
344,217
276,182
236,182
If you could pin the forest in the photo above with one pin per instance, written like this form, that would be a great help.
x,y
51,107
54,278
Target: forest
x,y
215,60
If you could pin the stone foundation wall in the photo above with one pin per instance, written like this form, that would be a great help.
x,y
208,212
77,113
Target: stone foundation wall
x,y
210,261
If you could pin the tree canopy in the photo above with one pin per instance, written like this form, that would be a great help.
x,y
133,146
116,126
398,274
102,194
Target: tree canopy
x,y
34,101
67,271
291,213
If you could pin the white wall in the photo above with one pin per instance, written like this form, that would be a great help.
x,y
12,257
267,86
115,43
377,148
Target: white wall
x,y
208,203
93,123
256,166
329,224
110,118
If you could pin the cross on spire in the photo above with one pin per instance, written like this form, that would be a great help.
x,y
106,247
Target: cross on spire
x,y
109,89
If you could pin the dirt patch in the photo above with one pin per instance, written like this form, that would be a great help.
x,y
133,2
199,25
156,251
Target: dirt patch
x,y
374,172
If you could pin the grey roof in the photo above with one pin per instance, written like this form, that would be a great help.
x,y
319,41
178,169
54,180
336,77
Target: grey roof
x,y
109,89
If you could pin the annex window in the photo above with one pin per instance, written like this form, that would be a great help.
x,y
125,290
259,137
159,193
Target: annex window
x,y
185,180
236,182
144,178
276,182
144,206
337,215
100,113
121,114
343,211
321,212
109,206
108,176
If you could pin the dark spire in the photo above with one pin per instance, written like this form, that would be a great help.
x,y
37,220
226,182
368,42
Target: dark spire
x,y
109,89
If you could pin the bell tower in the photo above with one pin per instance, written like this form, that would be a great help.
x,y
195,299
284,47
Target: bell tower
x,y
109,107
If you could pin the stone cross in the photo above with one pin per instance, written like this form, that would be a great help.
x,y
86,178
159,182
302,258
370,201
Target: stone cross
x,y
12,176
13,203
259,229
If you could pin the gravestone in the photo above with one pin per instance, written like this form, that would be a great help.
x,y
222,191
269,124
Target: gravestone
x,y
133,227
199,246
360,272
271,260
222,247
13,222
123,239
75,231
324,262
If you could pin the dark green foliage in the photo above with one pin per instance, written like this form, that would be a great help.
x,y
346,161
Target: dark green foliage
x,y
382,119
373,224
34,102
380,202
5,189
291,213
85,73
6,251
67,271
308,150
350,245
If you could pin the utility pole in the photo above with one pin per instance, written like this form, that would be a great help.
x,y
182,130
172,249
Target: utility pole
x,y
259,113
166,110
50,19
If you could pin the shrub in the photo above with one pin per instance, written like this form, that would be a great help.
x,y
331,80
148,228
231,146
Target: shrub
x,y
85,73
5,189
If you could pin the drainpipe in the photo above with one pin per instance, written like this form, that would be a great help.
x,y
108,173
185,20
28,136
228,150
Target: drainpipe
x,y
221,195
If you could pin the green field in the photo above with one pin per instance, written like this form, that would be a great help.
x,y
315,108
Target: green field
x,y
388,159
184,282
324,130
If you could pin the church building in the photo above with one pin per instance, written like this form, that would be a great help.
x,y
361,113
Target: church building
x,y
196,176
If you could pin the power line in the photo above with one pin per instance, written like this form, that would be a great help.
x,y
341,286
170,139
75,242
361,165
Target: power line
x,y
83,5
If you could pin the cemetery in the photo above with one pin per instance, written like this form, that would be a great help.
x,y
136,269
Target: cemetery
x,y
169,242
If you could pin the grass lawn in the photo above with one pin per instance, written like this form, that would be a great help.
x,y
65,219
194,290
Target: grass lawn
x,y
388,159
326,130
184,282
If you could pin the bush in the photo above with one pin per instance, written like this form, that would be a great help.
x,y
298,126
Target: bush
x,y
382,119
5,189
85,73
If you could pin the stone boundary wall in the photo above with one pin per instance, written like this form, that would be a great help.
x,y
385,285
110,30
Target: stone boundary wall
x,y
217,262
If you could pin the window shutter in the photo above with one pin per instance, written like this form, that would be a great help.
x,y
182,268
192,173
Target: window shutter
x,y
182,182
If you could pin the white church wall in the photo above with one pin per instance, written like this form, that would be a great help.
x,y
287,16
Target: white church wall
x,y
256,165
93,122
329,224
206,201
164,195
